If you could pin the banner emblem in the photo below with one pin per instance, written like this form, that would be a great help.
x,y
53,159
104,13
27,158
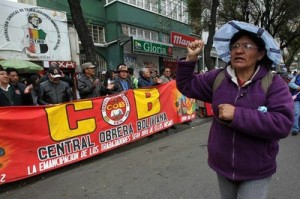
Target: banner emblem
x,y
115,109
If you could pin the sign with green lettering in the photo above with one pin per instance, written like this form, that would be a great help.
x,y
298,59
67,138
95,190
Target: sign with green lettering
x,y
142,46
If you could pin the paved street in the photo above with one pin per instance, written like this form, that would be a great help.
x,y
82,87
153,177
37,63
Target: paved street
x,y
169,166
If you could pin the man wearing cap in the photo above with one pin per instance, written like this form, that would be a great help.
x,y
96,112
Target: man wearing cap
x,y
88,85
123,81
63,77
53,90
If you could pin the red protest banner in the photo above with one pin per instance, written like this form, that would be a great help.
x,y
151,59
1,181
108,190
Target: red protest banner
x,y
38,139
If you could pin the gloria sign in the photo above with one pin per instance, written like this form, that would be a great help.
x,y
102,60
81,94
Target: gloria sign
x,y
33,33
49,137
157,48
181,40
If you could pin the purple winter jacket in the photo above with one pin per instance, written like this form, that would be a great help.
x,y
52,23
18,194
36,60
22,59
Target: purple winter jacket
x,y
245,148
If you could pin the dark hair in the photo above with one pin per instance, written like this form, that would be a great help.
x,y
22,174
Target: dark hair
x,y
9,70
258,41
130,71
32,79
164,69
108,74
1,68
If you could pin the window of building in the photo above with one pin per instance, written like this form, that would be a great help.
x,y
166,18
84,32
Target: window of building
x,y
154,36
147,35
97,33
140,33
168,8
154,6
180,12
125,29
165,38
174,9
163,7
132,2
132,30
185,18
140,3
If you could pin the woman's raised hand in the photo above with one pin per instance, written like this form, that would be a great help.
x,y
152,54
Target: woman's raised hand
x,y
194,49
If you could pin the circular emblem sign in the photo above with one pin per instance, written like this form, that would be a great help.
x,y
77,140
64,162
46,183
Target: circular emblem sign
x,y
115,109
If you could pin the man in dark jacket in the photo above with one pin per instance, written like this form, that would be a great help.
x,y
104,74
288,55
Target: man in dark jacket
x,y
19,87
145,79
123,81
88,85
54,91
63,77
9,95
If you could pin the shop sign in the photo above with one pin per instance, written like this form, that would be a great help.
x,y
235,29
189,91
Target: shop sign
x,y
142,46
181,40
64,64
61,64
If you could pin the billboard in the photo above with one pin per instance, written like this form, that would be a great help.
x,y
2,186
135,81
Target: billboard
x,y
33,33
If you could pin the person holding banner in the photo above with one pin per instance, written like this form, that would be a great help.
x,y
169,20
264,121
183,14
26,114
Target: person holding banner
x,y
123,81
145,79
248,122
53,90
88,85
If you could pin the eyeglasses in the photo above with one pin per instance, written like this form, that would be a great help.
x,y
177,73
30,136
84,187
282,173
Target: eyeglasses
x,y
244,46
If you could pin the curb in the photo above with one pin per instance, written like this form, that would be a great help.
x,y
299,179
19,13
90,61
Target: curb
x,y
164,133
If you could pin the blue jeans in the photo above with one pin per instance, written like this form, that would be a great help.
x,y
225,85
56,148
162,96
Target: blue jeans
x,y
251,189
296,116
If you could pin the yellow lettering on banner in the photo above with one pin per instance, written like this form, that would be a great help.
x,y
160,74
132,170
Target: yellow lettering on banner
x,y
147,102
115,106
59,122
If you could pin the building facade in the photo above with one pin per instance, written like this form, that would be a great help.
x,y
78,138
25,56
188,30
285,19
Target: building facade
x,y
135,32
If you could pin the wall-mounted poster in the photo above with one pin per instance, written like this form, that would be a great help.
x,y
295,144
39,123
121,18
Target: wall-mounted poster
x,y
33,33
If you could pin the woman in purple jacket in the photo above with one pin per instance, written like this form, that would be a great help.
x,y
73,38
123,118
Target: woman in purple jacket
x,y
248,122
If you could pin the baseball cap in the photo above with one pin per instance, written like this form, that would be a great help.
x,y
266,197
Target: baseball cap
x,y
54,72
123,68
87,65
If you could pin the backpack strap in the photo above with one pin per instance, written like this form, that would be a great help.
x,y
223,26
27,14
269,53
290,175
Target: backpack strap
x,y
220,77
266,81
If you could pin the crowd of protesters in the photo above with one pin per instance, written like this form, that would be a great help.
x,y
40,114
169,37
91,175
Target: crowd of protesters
x,y
55,87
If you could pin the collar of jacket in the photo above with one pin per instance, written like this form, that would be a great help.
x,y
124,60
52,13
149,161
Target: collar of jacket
x,y
259,73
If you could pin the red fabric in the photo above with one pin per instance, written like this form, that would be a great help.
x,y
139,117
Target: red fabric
x,y
38,139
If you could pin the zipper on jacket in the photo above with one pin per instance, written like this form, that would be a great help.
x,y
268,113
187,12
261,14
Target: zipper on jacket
x,y
233,153
233,138
56,95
